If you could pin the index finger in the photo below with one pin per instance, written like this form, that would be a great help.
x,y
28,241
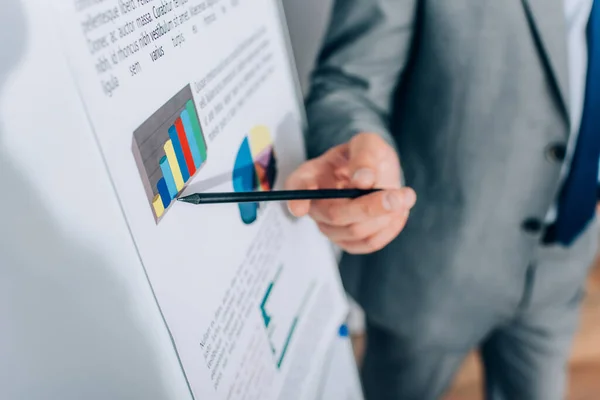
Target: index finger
x,y
304,178
347,212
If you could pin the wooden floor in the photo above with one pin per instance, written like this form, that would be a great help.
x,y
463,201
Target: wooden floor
x,y
584,370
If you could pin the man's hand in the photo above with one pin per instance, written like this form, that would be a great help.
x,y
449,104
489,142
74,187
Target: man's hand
x,y
365,224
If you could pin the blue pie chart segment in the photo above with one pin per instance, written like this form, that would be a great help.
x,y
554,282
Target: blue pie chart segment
x,y
245,180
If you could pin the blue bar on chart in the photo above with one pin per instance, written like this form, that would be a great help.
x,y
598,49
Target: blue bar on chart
x,y
168,175
179,153
163,191
189,133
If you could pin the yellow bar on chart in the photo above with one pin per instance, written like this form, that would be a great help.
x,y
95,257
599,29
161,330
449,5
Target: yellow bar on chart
x,y
172,158
159,208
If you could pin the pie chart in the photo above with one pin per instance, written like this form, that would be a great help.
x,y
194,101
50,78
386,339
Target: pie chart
x,y
255,169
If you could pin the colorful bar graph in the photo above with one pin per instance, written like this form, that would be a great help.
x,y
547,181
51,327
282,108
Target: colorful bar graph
x,y
185,147
174,165
159,207
163,191
169,150
168,175
189,133
179,153
197,130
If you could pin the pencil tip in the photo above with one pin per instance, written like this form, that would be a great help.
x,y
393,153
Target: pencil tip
x,y
185,199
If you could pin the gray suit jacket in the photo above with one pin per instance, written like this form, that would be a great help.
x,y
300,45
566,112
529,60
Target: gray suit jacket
x,y
473,93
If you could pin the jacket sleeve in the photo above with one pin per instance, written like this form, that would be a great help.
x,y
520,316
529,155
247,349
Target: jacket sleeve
x,y
360,64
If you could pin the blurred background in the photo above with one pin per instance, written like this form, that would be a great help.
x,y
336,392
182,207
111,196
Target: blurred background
x,y
307,21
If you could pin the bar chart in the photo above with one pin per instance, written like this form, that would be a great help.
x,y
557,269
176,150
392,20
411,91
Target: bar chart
x,y
169,148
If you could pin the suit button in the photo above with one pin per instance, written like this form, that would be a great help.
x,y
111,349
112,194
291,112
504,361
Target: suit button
x,y
532,225
556,152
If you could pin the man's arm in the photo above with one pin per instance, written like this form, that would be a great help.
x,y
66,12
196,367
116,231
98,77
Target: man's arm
x,y
365,51
363,56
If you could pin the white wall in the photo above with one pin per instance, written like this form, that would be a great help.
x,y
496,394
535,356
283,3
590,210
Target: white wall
x,y
77,317
307,21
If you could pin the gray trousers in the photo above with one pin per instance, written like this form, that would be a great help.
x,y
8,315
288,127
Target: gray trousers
x,y
524,354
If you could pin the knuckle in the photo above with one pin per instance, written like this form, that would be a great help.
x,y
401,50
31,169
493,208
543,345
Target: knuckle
x,y
368,156
341,244
323,228
366,208
357,231
353,250
317,212
294,181
289,182
333,214
374,243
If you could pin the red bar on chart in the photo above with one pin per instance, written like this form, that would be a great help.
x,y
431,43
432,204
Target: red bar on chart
x,y
185,146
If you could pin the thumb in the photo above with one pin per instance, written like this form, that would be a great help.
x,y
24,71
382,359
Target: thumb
x,y
304,178
372,161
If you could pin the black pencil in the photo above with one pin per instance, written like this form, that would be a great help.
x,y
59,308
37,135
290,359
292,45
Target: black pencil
x,y
274,195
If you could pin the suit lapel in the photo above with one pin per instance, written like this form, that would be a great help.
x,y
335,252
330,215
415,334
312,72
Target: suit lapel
x,y
547,20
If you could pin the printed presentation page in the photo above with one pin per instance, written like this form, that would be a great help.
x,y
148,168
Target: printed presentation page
x,y
199,95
